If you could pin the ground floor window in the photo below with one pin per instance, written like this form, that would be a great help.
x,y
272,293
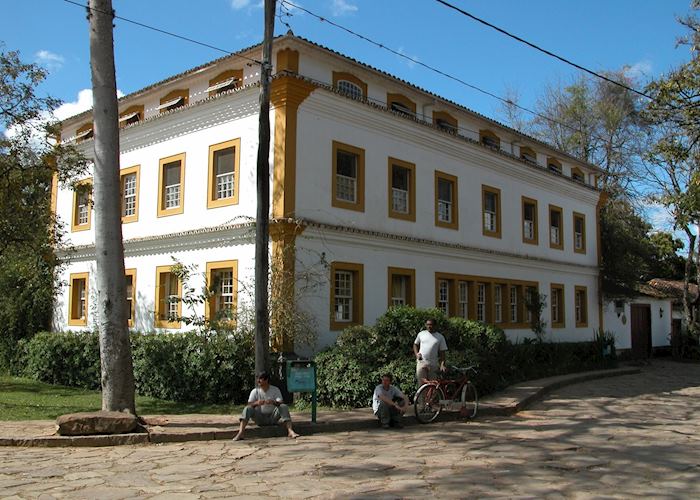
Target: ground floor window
x,y
346,295
78,299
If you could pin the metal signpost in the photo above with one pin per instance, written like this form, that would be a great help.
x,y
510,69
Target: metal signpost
x,y
301,377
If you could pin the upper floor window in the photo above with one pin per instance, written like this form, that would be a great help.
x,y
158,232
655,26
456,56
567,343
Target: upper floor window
x,y
445,121
224,173
78,299
402,284
84,133
488,138
173,100
402,190
225,81
401,104
491,210
171,185
346,294
446,200
554,165
556,223
348,177
528,154
349,84
131,115
579,233
129,181
82,206
529,220
577,174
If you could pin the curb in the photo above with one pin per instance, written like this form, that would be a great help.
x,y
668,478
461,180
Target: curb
x,y
507,403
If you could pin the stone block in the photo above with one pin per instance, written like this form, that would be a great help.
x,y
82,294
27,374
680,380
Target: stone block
x,y
98,422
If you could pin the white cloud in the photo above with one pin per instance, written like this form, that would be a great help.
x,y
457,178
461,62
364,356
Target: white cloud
x,y
242,4
638,70
49,59
411,61
342,7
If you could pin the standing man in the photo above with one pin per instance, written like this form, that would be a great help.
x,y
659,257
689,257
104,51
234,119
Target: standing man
x,y
389,403
265,406
429,348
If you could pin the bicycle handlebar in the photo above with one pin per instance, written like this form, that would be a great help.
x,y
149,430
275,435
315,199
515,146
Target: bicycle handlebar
x,y
465,370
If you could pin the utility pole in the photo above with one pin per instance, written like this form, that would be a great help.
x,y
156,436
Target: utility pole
x,y
262,264
115,348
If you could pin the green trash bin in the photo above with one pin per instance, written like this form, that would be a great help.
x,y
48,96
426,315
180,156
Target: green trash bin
x,y
301,377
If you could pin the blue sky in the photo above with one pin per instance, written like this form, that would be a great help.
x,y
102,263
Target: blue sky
x,y
600,34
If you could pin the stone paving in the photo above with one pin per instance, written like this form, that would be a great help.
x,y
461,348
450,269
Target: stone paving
x,y
620,437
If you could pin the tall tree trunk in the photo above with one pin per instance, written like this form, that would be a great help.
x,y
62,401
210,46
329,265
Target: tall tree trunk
x,y
688,307
115,349
262,264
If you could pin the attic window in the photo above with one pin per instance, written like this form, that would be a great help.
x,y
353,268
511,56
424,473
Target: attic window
x,y
223,86
129,118
577,175
554,166
489,139
171,104
84,133
401,108
445,125
350,89
528,155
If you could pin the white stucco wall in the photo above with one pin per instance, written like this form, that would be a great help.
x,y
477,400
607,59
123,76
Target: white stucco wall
x,y
621,323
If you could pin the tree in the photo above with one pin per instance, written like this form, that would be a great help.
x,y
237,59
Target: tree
x,y
665,262
115,348
31,165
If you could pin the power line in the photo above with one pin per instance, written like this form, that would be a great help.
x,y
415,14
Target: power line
x,y
544,51
162,31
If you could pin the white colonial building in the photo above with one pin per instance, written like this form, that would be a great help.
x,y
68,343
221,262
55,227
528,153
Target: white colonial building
x,y
399,195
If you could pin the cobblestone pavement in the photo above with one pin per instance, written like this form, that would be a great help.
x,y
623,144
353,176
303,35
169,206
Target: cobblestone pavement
x,y
621,437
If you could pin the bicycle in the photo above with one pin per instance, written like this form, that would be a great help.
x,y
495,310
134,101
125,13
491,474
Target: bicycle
x,y
430,399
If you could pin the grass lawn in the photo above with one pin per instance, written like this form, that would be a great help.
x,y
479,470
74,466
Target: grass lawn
x,y
26,399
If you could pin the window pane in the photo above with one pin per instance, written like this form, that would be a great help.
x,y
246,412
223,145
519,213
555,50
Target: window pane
x,y
223,160
224,170
399,290
171,176
399,177
343,296
172,173
350,89
129,195
444,296
444,190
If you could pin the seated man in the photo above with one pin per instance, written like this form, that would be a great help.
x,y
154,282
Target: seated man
x,y
265,407
389,403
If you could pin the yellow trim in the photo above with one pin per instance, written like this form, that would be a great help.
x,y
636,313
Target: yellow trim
x,y
358,296
132,274
359,204
447,118
162,211
455,201
402,271
74,226
164,323
560,246
288,60
212,202
497,192
584,306
184,93
485,133
528,150
221,77
83,128
411,167
582,217
536,240
342,75
400,99
72,319
210,309
557,288
54,192
136,169
136,108
556,163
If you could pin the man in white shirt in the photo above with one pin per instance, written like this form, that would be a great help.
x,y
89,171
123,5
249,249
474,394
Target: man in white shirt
x,y
389,403
429,348
266,407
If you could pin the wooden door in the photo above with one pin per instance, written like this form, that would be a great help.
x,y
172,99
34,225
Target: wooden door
x,y
641,330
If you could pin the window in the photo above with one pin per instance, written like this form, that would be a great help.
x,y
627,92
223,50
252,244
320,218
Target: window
x,y
401,104
129,186
557,305
529,221
491,211
402,190
532,295
514,305
577,174
82,206
130,275
222,280
402,287
528,154
581,306
346,295
443,298
579,233
224,173
481,302
489,139
498,303
171,186
225,81
173,100
446,200
168,298
556,239
84,133
445,121
463,297
131,116
78,300
554,165
348,177
349,84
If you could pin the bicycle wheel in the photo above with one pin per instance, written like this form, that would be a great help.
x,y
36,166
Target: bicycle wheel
x,y
470,400
427,403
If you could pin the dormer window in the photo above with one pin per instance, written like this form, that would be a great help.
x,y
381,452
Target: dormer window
x,y
577,175
401,104
528,155
350,89
350,85
173,100
445,121
489,139
225,81
84,133
130,116
553,165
